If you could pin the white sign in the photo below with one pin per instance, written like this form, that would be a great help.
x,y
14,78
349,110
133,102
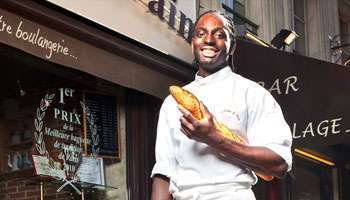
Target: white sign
x,y
141,24
42,167
91,171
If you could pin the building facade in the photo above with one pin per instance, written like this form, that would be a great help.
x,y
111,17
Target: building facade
x,y
321,25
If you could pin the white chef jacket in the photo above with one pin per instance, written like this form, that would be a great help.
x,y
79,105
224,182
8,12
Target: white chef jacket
x,y
243,106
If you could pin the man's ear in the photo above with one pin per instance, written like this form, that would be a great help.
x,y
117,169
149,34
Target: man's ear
x,y
192,47
233,47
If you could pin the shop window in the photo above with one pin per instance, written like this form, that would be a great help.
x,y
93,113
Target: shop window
x,y
104,110
345,31
239,7
315,178
59,128
236,9
229,4
344,177
236,5
232,8
299,26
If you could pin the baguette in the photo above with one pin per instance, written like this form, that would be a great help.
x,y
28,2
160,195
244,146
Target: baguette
x,y
190,102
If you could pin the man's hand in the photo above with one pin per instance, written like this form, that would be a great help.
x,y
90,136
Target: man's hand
x,y
200,130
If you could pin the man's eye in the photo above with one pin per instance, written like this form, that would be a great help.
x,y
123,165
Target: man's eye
x,y
200,34
220,35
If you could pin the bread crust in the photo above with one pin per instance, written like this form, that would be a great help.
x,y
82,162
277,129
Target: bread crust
x,y
187,100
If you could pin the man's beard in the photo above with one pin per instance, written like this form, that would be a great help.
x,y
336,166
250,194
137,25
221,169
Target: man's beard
x,y
210,65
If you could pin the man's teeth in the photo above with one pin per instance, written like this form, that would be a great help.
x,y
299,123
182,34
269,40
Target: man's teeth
x,y
208,52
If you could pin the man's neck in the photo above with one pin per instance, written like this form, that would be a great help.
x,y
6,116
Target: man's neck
x,y
204,73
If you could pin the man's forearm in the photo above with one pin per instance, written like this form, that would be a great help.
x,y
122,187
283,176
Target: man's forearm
x,y
160,188
259,159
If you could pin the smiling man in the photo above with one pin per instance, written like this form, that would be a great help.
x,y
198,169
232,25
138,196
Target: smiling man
x,y
193,160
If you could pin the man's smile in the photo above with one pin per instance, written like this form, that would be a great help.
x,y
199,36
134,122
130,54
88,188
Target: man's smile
x,y
208,51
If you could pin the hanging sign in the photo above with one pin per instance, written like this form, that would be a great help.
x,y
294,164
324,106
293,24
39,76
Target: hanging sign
x,y
157,7
313,94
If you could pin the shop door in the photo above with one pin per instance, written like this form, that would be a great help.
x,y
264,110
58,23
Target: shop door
x,y
141,121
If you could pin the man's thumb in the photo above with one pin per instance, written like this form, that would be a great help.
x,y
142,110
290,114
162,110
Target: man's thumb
x,y
204,109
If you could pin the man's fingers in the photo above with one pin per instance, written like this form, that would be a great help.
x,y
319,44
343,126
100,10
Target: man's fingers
x,y
187,114
204,109
183,110
186,124
186,132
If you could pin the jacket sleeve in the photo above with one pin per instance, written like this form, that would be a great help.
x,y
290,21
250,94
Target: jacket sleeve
x,y
267,126
164,150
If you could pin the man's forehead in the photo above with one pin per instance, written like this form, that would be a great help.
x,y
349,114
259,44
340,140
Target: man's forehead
x,y
210,19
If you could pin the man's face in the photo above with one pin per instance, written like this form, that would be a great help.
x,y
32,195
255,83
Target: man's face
x,y
210,43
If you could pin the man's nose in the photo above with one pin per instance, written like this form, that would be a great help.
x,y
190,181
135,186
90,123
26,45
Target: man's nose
x,y
209,39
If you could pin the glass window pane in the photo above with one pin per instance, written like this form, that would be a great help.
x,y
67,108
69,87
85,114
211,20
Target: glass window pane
x,y
344,30
300,41
299,6
241,1
239,7
229,3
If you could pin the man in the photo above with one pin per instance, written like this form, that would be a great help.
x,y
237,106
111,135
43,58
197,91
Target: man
x,y
193,160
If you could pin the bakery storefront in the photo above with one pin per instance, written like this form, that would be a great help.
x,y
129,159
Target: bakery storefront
x,y
79,103
80,94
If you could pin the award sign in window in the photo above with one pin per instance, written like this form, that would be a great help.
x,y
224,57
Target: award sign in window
x,y
58,133
73,131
